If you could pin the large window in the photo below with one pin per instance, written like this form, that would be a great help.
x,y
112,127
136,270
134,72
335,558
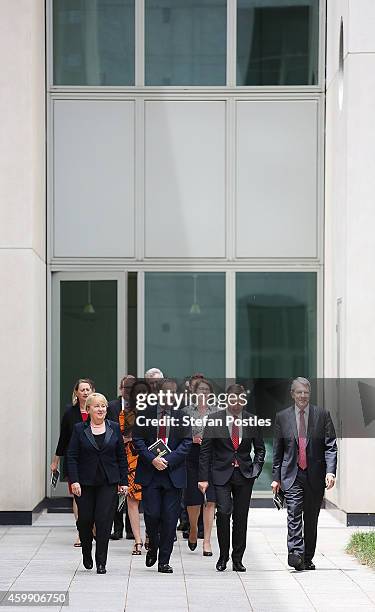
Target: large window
x,y
93,42
88,335
276,324
277,42
185,323
275,341
185,42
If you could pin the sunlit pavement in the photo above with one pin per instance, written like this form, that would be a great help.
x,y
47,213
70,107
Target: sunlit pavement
x,y
42,557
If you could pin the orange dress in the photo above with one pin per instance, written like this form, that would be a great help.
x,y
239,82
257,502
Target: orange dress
x,y
126,421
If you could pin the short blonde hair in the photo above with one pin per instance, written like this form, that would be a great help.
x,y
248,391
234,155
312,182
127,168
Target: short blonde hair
x,y
94,396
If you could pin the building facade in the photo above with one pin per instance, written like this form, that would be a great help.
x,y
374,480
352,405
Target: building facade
x,y
186,185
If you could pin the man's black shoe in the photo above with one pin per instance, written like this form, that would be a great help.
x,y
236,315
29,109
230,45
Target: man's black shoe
x,y
185,534
151,558
183,527
164,568
309,565
87,560
129,536
200,535
238,567
221,565
296,561
100,569
116,535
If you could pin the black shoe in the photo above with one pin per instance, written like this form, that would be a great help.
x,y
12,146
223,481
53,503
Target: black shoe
x,y
100,569
87,560
183,527
192,545
221,565
238,567
151,558
309,565
296,561
200,535
207,553
164,568
129,536
185,535
116,535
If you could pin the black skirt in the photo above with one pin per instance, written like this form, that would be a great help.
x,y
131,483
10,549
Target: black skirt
x,y
192,495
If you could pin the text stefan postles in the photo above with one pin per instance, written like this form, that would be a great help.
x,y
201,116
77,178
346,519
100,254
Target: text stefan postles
x,y
179,400
205,421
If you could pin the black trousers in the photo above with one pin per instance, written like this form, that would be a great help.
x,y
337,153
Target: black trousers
x,y
233,498
303,504
161,509
97,505
118,521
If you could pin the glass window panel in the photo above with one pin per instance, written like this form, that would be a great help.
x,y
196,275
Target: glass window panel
x,y
93,42
185,323
185,42
276,324
277,42
132,323
276,328
88,336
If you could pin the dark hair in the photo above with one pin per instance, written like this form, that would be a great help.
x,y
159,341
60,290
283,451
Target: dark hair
x,y
236,389
133,392
198,381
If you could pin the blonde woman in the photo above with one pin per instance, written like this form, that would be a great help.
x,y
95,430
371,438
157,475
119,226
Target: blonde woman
x,y
98,470
74,413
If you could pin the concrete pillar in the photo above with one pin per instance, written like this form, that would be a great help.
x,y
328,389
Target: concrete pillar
x,y
22,256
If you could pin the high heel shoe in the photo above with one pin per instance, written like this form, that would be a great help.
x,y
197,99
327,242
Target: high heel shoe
x,y
207,553
137,550
192,545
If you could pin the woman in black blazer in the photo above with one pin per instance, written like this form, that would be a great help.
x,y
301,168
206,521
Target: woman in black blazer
x,y
74,413
98,469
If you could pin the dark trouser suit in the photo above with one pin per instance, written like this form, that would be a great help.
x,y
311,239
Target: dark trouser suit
x,y
118,521
161,509
97,505
233,498
303,504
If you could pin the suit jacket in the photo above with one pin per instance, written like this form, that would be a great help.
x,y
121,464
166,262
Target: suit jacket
x,y
179,441
114,409
217,450
84,455
71,416
321,447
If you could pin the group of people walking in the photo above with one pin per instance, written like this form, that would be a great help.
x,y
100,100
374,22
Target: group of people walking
x,y
212,459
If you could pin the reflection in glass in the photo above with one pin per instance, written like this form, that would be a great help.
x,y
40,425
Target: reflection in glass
x,y
88,336
277,42
276,324
185,323
132,323
185,42
93,42
276,332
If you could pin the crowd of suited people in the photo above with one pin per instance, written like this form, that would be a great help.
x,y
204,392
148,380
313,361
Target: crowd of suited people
x,y
108,459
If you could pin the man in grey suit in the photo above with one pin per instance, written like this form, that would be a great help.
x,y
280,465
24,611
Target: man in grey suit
x,y
304,463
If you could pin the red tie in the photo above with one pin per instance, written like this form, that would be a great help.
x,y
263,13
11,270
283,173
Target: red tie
x,y
302,458
162,428
235,437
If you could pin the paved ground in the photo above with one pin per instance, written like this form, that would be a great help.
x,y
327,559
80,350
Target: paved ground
x,y
42,557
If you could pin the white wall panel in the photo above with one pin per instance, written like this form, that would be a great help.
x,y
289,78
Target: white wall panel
x,y
185,179
93,178
276,196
